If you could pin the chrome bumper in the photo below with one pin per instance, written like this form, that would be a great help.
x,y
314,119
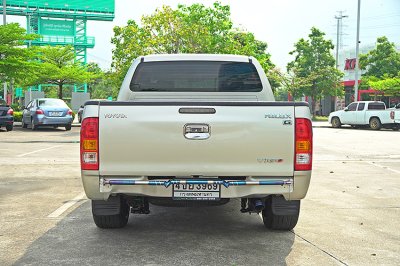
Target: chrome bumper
x,y
101,187
107,183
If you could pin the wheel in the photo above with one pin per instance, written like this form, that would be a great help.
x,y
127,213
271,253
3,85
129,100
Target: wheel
x,y
23,124
68,127
280,214
9,127
375,123
33,126
336,122
118,220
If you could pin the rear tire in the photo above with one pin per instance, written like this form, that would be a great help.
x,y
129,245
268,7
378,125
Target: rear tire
x,y
68,127
280,214
375,123
9,127
118,220
336,122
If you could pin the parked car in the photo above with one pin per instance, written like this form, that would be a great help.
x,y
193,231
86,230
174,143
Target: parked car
x,y
80,110
6,116
196,129
47,112
366,113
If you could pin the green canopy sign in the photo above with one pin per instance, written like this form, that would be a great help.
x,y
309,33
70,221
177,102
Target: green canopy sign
x,y
56,27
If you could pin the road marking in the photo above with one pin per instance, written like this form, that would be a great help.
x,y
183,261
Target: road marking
x,y
45,149
66,206
384,167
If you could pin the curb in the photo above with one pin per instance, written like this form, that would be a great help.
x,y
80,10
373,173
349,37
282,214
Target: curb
x,y
19,124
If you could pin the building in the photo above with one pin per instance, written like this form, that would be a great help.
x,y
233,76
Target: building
x,y
347,64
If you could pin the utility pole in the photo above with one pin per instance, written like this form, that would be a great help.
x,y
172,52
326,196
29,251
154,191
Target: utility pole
x,y
4,23
339,100
357,51
338,35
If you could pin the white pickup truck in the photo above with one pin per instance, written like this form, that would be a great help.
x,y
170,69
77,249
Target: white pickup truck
x,y
196,130
366,113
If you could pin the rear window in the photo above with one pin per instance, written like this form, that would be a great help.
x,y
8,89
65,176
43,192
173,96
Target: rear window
x,y
52,102
376,106
196,76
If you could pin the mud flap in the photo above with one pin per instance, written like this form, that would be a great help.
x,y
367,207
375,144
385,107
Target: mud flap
x,y
281,206
111,206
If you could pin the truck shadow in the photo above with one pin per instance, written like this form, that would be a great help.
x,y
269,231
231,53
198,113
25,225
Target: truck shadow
x,y
167,236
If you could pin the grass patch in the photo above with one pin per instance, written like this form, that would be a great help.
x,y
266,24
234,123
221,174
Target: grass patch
x,y
320,118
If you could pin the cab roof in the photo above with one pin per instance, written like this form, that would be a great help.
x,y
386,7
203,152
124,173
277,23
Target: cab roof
x,y
196,57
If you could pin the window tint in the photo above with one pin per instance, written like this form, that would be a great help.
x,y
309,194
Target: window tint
x,y
352,107
52,102
360,106
196,76
376,106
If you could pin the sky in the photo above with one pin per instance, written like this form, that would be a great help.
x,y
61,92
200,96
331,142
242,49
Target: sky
x,y
280,23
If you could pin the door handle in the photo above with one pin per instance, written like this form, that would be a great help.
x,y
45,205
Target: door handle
x,y
197,131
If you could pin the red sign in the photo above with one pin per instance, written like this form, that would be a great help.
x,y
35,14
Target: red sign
x,y
350,64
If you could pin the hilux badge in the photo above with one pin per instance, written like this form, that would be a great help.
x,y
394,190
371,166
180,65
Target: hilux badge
x,y
279,116
115,116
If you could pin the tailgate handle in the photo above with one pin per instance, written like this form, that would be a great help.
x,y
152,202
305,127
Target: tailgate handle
x,y
196,131
191,110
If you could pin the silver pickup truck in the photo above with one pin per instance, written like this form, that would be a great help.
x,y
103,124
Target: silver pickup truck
x,y
196,130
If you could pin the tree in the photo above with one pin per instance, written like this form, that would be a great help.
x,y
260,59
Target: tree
x,y
58,67
314,67
187,29
382,61
387,85
103,86
16,61
382,66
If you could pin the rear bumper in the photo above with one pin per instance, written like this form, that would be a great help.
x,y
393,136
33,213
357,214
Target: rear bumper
x,y
6,120
46,120
292,188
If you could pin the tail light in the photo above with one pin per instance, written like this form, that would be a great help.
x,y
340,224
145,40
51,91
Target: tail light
x,y
90,144
10,111
303,148
69,112
391,114
39,112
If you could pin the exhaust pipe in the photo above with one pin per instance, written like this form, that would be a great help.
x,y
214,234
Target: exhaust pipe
x,y
253,205
256,205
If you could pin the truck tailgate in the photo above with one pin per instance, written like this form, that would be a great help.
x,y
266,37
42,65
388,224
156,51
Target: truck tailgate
x,y
149,139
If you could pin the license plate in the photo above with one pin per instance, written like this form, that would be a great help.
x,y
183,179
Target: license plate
x,y
196,192
55,113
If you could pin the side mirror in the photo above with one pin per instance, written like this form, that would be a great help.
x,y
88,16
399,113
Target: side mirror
x,y
23,107
346,109
82,106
